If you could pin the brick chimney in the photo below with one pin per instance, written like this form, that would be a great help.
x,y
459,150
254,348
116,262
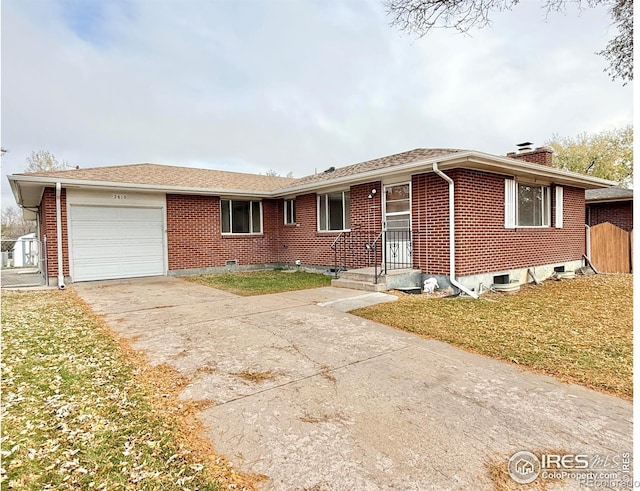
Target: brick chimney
x,y
541,155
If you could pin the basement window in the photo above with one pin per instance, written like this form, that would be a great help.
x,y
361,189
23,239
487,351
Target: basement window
x,y
501,279
241,217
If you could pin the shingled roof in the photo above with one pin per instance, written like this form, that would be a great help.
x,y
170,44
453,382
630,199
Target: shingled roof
x,y
609,194
168,175
376,164
167,178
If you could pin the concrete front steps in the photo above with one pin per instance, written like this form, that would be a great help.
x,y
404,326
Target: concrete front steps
x,y
364,279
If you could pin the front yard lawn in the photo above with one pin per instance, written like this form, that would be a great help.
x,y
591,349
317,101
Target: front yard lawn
x,y
78,411
262,282
578,330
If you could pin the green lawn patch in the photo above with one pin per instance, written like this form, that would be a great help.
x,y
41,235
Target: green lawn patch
x,y
578,330
262,282
79,413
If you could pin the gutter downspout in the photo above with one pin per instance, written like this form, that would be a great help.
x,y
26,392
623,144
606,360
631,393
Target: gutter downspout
x,y
587,256
588,241
452,237
61,284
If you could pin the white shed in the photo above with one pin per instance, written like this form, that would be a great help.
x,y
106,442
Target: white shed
x,y
26,251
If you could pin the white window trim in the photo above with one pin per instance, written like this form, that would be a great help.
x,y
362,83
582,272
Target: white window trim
x,y
511,204
325,196
510,189
559,221
286,211
241,234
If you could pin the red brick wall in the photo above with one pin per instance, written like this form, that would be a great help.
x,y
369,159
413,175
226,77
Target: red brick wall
x,y
618,213
366,224
48,228
366,214
195,240
482,242
303,242
430,217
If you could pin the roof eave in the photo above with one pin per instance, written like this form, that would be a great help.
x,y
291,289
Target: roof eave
x,y
15,189
595,201
467,159
509,166
16,179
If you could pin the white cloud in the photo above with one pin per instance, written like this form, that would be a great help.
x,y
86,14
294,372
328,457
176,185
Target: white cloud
x,y
288,85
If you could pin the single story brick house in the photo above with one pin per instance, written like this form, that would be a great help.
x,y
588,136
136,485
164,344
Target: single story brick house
x,y
613,205
464,217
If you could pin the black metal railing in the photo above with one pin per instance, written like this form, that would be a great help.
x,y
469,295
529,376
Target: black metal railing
x,y
355,249
375,245
398,249
383,251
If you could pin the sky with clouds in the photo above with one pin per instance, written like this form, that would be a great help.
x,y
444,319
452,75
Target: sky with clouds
x,y
289,85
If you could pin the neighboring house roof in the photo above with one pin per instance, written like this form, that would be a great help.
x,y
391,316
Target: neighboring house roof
x,y
28,188
608,194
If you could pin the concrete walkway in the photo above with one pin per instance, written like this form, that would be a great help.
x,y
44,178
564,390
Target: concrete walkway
x,y
315,398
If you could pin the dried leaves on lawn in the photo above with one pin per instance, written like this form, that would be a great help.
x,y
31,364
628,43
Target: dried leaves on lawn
x,y
577,330
78,412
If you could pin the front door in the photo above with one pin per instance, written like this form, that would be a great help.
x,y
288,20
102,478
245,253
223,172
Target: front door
x,y
397,226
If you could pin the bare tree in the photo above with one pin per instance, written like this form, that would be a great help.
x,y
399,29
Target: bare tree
x,y
13,225
43,161
619,51
420,16
274,173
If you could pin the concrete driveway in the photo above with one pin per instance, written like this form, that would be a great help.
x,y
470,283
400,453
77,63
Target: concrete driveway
x,y
318,399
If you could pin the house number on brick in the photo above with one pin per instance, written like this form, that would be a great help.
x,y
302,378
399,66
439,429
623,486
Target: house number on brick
x,y
119,196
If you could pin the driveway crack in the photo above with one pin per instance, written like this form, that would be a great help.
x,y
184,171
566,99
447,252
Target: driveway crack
x,y
326,372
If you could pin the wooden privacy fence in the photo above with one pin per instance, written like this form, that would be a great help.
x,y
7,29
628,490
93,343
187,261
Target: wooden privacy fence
x,y
611,248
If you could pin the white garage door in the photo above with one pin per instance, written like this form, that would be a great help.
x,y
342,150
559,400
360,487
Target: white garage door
x,y
116,242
